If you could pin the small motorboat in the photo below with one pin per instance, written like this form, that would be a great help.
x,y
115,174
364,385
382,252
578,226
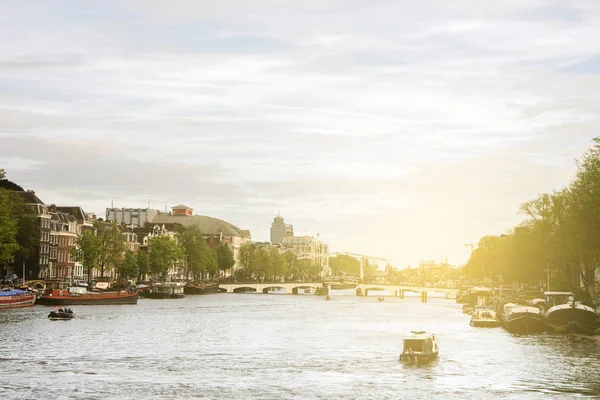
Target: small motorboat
x,y
327,297
484,317
419,346
61,314
380,299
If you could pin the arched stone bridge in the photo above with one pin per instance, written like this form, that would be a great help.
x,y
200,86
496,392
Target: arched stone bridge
x,y
293,288
290,288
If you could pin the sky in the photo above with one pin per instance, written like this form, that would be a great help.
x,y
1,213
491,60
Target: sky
x,y
398,129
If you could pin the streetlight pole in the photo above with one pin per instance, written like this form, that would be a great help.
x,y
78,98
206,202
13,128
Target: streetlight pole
x,y
548,271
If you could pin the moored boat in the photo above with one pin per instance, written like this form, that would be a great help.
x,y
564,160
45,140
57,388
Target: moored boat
x,y
201,288
419,346
484,317
80,296
166,291
523,319
16,298
571,316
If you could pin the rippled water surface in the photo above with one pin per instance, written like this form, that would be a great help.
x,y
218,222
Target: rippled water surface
x,y
235,346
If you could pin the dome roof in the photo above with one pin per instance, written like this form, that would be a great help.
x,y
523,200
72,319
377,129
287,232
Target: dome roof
x,y
208,225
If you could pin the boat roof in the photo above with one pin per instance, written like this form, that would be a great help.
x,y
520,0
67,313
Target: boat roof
x,y
558,294
418,335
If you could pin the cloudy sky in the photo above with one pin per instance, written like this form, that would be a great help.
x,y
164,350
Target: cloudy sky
x,y
401,129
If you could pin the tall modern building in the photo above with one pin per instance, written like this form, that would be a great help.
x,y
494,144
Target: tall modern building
x,y
132,217
280,230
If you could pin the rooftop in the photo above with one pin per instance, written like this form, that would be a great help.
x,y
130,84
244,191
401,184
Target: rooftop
x,y
208,225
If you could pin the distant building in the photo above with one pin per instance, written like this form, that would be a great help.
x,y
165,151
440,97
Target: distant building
x,y
280,230
132,217
64,232
309,248
215,230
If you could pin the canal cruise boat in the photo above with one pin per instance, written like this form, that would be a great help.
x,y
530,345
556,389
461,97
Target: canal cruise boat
x,y
419,346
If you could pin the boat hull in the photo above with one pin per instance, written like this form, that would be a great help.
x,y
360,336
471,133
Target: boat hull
x,y
199,290
89,299
417,358
578,319
60,316
524,323
160,296
17,301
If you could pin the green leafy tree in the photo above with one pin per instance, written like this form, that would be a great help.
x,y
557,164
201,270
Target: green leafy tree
x,y
129,267
343,264
143,265
225,259
113,245
199,256
87,251
164,253
9,224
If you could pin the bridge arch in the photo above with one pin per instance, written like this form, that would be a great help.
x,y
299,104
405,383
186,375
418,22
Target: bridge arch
x,y
268,288
244,289
296,289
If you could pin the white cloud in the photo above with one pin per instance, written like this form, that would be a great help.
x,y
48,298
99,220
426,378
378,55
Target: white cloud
x,y
397,128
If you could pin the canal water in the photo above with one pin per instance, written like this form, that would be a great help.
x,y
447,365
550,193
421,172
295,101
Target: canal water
x,y
254,346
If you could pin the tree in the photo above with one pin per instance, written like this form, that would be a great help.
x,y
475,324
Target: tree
x,y
113,245
129,267
225,258
164,253
198,254
8,224
143,265
87,251
343,264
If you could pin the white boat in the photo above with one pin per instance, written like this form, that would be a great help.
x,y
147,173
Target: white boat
x,y
484,317
419,346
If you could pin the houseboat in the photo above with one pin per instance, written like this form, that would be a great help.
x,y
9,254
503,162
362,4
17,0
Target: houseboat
x,y
523,319
195,288
419,346
564,314
16,298
166,291
61,295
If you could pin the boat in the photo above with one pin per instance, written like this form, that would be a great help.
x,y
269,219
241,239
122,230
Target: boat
x,y
61,314
327,297
484,317
567,315
523,319
166,291
16,298
380,299
79,296
419,346
194,288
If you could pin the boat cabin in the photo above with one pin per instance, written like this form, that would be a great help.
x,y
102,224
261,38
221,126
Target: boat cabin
x,y
167,288
557,298
419,345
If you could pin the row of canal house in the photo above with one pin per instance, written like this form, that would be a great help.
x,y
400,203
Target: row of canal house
x,y
50,253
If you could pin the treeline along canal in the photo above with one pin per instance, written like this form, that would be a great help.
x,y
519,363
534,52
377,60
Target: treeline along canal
x,y
234,346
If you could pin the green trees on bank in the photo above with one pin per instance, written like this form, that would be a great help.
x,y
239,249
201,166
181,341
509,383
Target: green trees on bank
x,y
269,264
19,229
559,238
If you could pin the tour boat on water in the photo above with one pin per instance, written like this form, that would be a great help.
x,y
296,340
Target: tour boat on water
x,y
16,298
81,296
570,316
419,346
484,317
523,319
61,314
